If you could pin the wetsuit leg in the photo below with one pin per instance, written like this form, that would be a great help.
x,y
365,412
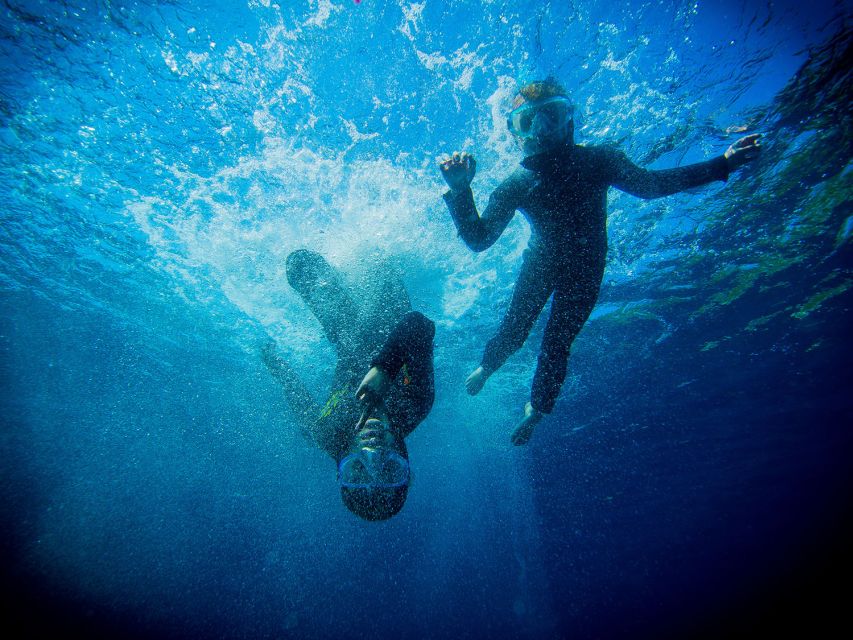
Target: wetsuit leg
x,y
298,398
322,288
534,286
574,300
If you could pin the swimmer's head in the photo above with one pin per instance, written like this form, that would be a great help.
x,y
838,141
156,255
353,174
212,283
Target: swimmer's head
x,y
374,472
542,116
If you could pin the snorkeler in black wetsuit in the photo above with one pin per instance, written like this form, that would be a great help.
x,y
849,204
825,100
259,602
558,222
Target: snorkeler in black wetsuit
x,y
561,188
363,424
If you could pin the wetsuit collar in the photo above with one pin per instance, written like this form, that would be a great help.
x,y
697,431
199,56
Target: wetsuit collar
x,y
548,160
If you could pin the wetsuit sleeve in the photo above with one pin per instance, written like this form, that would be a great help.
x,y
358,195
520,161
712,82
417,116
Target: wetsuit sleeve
x,y
409,351
410,340
481,232
646,183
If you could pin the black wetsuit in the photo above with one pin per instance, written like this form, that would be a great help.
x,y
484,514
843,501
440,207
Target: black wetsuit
x,y
383,332
563,195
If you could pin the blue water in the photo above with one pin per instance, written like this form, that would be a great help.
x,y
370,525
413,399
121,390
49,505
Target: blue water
x,y
159,160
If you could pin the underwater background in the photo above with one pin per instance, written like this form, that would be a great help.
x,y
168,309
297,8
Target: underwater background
x,y
158,162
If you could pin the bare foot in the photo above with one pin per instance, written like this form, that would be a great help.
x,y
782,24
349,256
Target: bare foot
x,y
525,428
476,380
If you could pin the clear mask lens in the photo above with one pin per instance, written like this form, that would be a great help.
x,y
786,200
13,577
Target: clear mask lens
x,y
372,468
540,118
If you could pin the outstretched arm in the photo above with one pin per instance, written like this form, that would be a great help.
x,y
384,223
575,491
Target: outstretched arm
x,y
645,183
478,232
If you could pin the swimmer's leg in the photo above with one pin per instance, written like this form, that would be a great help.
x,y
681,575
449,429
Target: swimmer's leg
x,y
302,405
531,292
569,311
323,290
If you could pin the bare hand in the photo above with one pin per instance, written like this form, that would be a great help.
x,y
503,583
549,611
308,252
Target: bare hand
x,y
457,170
743,151
371,392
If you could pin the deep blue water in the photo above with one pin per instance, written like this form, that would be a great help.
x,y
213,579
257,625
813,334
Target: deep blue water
x,y
161,159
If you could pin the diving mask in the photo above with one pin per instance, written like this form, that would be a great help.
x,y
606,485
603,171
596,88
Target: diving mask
x,y
373,466
541,117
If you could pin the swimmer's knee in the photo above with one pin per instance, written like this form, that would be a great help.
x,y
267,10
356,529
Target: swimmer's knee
x,y
300,259
302,265
420,323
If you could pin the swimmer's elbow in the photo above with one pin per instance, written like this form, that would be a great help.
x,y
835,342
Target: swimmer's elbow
x,y
478,236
